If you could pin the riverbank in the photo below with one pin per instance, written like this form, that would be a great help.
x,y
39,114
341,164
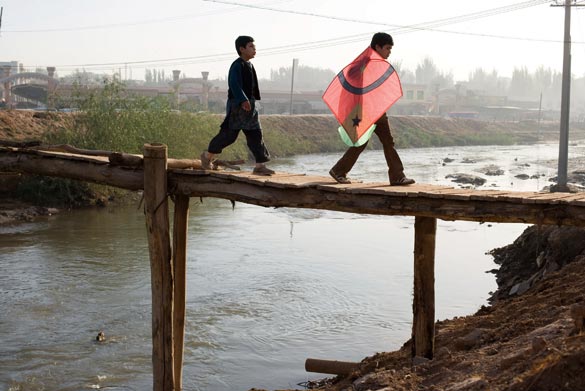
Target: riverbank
x,y
319,132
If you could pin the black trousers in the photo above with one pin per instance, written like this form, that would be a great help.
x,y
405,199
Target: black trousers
x,y
254,139
237,119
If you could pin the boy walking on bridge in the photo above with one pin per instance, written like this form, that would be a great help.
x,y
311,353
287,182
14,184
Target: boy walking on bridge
x,y
241,112
382,43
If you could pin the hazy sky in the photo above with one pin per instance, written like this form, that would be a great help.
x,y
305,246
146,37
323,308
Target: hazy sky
x,y
198,35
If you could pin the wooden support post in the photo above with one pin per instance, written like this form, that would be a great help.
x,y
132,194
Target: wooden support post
x,y
156,210
423,306
180,223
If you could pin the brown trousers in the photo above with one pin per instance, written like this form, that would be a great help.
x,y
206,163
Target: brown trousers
x,y
395,167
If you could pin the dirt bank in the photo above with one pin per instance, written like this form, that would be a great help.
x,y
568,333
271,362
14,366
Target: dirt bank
x,y
530,339
31,125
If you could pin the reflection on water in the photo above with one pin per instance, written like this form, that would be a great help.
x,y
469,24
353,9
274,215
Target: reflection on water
x,y
267,288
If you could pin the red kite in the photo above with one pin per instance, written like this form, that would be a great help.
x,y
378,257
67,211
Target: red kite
x,y
360,94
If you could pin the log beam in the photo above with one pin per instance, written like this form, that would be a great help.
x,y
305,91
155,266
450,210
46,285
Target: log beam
x,y
316,197
180,225
423,306
156,210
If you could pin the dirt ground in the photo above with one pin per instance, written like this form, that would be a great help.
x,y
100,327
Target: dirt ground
x,y
19,125
534,341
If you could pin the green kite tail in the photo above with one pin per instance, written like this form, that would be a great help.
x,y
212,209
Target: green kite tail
x,y
361,141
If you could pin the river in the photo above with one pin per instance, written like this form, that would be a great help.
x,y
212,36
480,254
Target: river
x,y
267,288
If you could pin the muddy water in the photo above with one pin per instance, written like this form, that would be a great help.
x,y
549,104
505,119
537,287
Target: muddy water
x,y
267,288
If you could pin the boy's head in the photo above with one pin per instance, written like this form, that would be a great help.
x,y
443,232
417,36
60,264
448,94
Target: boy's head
x,y
242,41
382,43
381,39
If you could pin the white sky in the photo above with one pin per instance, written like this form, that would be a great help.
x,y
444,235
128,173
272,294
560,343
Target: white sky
x,y
198,35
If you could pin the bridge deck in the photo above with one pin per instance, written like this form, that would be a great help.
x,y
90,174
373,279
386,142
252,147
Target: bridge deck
x,y
317,192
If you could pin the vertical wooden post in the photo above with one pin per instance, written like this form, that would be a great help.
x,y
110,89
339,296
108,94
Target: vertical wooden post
x,y
156,210
180,223
423,306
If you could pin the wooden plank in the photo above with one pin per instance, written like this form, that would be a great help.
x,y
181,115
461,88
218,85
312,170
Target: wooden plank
x,y
422,189
423,327
397,191
457,194
513,196
191,172
574,199
577,202
240,176
295,181
180,226
546,198
156,211
440,193
367,188
486,195
70,156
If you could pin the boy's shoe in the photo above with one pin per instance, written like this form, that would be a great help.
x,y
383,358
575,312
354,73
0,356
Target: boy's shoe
x,y
263,170
206,163
404,181
339,178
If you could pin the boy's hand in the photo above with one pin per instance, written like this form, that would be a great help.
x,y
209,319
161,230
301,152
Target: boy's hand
x,y
246,105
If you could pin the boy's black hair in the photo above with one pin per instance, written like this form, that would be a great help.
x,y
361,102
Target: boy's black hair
x,y
242,41
381,39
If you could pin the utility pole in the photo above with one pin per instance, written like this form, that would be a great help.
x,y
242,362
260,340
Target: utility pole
x,y
565,99
292,83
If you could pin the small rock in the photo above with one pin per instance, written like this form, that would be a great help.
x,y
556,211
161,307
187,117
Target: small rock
x,y
522,176
100,337
470,340
519,288
507,362
472,384
578,315
366,382
538,345
540,259
443,352
466,178
418,360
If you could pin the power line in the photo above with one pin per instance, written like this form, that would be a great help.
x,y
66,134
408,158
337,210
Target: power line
x,y
298,47
127,24
421,26
118,25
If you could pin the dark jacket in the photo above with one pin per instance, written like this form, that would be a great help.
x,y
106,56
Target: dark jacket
x,y
242,81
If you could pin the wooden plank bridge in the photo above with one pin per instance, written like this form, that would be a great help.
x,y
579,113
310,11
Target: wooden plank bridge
x,y
161,178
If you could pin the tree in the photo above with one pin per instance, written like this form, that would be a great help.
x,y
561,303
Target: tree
x,y
148,76
306,78
522,86
427,73
490,83
406,75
